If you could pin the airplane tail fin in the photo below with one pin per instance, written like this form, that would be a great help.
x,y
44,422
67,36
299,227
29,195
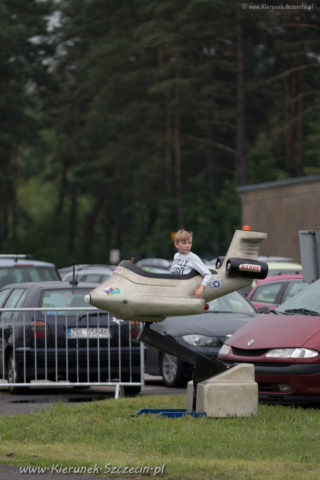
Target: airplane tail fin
x,y
242,255
245,244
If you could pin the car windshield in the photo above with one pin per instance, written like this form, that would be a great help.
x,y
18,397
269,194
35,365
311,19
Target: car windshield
x,y
233,302
26,273
64,298
305,302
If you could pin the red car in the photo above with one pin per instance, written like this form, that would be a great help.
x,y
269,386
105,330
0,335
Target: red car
x,y
284,348
274,290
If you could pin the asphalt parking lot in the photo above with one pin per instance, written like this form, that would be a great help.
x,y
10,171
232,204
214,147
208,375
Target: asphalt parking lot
x,y
36,399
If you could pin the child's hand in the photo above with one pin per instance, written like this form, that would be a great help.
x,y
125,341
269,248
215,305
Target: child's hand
x,y
199,291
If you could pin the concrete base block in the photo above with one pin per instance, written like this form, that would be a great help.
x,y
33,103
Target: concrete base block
x,y
233,393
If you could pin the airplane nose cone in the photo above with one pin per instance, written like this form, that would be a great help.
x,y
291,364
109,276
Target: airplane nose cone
x,y
87,298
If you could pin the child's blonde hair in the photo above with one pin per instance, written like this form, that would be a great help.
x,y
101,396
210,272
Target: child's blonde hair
x,y
182,235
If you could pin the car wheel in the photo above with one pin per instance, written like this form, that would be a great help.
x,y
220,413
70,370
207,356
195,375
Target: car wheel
x,y
171,370
13,373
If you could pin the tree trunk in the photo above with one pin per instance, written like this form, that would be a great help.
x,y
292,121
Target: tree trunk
x,y
88,232
72,222
178,185
62,189
14,208
210,170
241,163
293,88
300,125
168,133
209,151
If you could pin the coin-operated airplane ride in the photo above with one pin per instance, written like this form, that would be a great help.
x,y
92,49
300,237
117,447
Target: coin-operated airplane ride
x,y
142,296
138,295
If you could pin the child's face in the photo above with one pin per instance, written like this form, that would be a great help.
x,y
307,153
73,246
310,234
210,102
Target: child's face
x,y
184,246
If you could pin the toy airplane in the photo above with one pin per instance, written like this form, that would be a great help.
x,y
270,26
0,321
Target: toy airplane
x,y
135,294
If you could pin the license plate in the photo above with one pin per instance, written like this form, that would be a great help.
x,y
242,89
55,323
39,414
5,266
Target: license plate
x,y
88,332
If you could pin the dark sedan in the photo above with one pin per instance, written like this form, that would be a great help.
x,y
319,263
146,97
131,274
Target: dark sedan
x,y
203,333
284,347
42,343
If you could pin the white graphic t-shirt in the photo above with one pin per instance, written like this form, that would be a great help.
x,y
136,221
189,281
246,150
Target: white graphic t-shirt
x,y
183,264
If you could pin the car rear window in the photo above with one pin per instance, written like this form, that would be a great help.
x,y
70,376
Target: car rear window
x,y
284,271
64,298
267,293
27,273
89,277
94,277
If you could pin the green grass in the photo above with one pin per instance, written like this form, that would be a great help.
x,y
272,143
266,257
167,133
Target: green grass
x,y
279,443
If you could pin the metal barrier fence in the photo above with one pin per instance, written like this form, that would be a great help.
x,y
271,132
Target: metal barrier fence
x,y
57,347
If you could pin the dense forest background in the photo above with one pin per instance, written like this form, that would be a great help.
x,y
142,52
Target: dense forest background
x,y
123,120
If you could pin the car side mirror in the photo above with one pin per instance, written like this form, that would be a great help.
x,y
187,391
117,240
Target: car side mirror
x,y
263,309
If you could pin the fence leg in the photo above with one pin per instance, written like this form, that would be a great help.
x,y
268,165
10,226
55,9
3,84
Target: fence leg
x,y
119,391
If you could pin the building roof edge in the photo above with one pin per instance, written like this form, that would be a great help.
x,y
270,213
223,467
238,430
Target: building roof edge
x,y
278,183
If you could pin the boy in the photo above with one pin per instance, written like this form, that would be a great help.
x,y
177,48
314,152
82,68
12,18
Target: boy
x,y
184,260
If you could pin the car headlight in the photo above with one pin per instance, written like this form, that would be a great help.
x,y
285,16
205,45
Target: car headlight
x,y
292,353
202,340
224,350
